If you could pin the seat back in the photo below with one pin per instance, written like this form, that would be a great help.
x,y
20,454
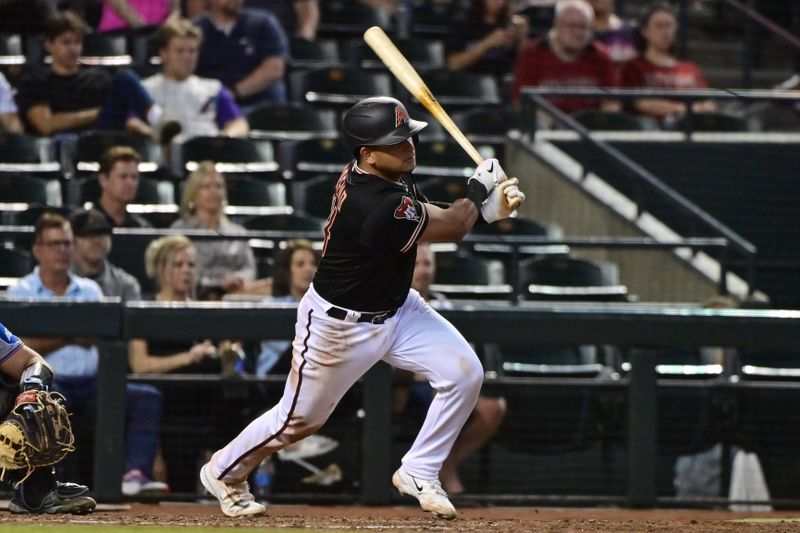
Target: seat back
x,y
148,192
313,196
292,121
23,153
90,146
15,263
244,190
344,18
318,53
231,155
423,54
568,278
458,89
105,50
488,124
457,268
19,188
307,159
11,50
443,158
337,87
441,189
284,222
431,19
595,119
713,122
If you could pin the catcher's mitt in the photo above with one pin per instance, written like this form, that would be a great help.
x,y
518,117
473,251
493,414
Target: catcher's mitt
x,y
37,432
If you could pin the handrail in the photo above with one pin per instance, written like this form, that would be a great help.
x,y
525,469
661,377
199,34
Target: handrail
x,y
738,242
766,23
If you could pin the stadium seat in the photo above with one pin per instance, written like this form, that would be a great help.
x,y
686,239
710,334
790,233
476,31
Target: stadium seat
x,y
127,252
231,155
614,121
15,263
443,158
24,153
90,146
105,50
567,278
284,222
458,90
488,124
307,159
319,53
423,54
313,196
20,188
343,18
11,50
246,191
442,189
713,122
431,19
460,275
337,87
292,121
521,359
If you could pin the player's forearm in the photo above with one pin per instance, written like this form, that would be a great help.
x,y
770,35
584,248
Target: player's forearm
x,y
270,70
45,345
451,224
307,12
658,107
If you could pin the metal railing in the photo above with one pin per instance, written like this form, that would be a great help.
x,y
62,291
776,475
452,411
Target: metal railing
x,y
535,99
536,324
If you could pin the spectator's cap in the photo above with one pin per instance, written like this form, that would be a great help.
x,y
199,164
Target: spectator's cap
x,y
89,222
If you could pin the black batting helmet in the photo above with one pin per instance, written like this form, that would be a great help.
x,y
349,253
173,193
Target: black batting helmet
x,y
378,121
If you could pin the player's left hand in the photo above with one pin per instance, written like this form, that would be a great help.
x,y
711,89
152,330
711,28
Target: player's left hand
x,y
503,201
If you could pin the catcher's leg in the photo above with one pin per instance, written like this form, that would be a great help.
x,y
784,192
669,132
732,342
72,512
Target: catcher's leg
x,y
40,493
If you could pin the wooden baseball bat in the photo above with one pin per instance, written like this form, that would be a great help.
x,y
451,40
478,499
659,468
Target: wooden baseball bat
x,y
377,39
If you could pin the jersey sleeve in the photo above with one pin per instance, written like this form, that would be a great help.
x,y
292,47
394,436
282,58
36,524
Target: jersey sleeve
x,y
395,224
9,343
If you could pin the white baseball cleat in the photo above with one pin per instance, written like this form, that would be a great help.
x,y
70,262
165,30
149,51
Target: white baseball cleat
x,y
429,492
234,500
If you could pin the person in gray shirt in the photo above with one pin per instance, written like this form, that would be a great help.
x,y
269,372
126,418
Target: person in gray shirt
x,y
90,257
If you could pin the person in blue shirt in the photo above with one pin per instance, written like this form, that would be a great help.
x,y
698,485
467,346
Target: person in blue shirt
x,y
21,370
245,50
74,360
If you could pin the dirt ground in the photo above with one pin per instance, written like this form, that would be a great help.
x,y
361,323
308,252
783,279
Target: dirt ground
x,y
401,519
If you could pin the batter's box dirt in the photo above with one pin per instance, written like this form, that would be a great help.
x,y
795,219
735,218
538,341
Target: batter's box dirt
x,y
408,519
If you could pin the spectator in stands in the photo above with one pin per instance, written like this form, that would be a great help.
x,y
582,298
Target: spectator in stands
x,y
245,50
488,413
658,68
226,265
119,182
486,38
136,14
66,98
297,17
9,119
75,359
90,259
568,57
293,273
617,34
202,106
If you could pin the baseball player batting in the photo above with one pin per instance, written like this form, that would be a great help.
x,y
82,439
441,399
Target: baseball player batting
x,y
360,309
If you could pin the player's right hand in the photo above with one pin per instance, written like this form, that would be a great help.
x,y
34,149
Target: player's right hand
x,y
503,201
489,174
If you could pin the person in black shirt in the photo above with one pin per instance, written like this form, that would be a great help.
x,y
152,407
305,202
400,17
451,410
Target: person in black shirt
x,y
118,178
67,98
360,309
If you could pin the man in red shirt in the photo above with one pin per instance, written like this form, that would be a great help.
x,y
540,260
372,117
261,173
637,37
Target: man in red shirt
x,y
568,57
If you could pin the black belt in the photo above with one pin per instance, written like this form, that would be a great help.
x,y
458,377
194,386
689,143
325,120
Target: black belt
x,y
374,318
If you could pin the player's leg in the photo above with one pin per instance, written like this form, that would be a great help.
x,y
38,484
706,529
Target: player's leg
x,y
425,343
329,355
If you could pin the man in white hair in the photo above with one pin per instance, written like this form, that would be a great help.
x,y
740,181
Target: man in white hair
x,y
567,57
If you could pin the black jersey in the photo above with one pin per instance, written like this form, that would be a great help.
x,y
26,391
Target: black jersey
x,y
370,241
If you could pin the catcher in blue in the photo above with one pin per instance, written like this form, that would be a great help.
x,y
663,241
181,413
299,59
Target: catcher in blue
x,y
35,434
360,309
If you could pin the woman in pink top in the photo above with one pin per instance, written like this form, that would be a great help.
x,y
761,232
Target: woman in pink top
x,y
133,14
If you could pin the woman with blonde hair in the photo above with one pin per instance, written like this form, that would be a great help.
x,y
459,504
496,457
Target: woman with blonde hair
x,y
225,265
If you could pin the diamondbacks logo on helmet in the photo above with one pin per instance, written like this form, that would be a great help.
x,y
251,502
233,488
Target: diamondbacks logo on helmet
x,y
400,116
406,210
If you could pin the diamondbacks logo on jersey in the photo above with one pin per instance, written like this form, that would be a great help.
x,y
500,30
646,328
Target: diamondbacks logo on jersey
x,y
400,116
406,210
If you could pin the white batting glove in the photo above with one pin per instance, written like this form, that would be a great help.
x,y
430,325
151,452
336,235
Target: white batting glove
x,y
489,174
502,201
